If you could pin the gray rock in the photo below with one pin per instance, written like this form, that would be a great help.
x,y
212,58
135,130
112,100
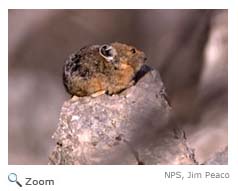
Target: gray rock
x,y
133,127
219,158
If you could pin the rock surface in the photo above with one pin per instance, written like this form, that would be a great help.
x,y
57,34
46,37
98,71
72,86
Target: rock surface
x,y
219,158
133,127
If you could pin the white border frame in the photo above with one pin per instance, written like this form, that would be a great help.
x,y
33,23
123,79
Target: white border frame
x,y
123,177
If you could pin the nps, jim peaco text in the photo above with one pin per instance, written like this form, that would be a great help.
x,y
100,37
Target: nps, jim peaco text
x,y
196,175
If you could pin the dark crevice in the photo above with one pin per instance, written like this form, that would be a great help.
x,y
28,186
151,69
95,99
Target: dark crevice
x,y
144,70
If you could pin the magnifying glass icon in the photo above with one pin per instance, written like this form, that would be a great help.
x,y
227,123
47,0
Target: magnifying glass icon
x,y
12,177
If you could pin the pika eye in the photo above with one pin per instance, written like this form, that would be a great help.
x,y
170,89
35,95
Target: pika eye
x,y
107,52
133,50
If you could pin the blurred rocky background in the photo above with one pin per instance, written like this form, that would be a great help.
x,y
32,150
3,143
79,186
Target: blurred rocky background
x,y
188,47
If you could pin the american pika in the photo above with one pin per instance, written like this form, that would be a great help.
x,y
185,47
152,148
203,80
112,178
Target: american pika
x,y
108,68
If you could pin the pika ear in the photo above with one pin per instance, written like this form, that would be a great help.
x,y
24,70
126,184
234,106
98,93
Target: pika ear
x,y
107,52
